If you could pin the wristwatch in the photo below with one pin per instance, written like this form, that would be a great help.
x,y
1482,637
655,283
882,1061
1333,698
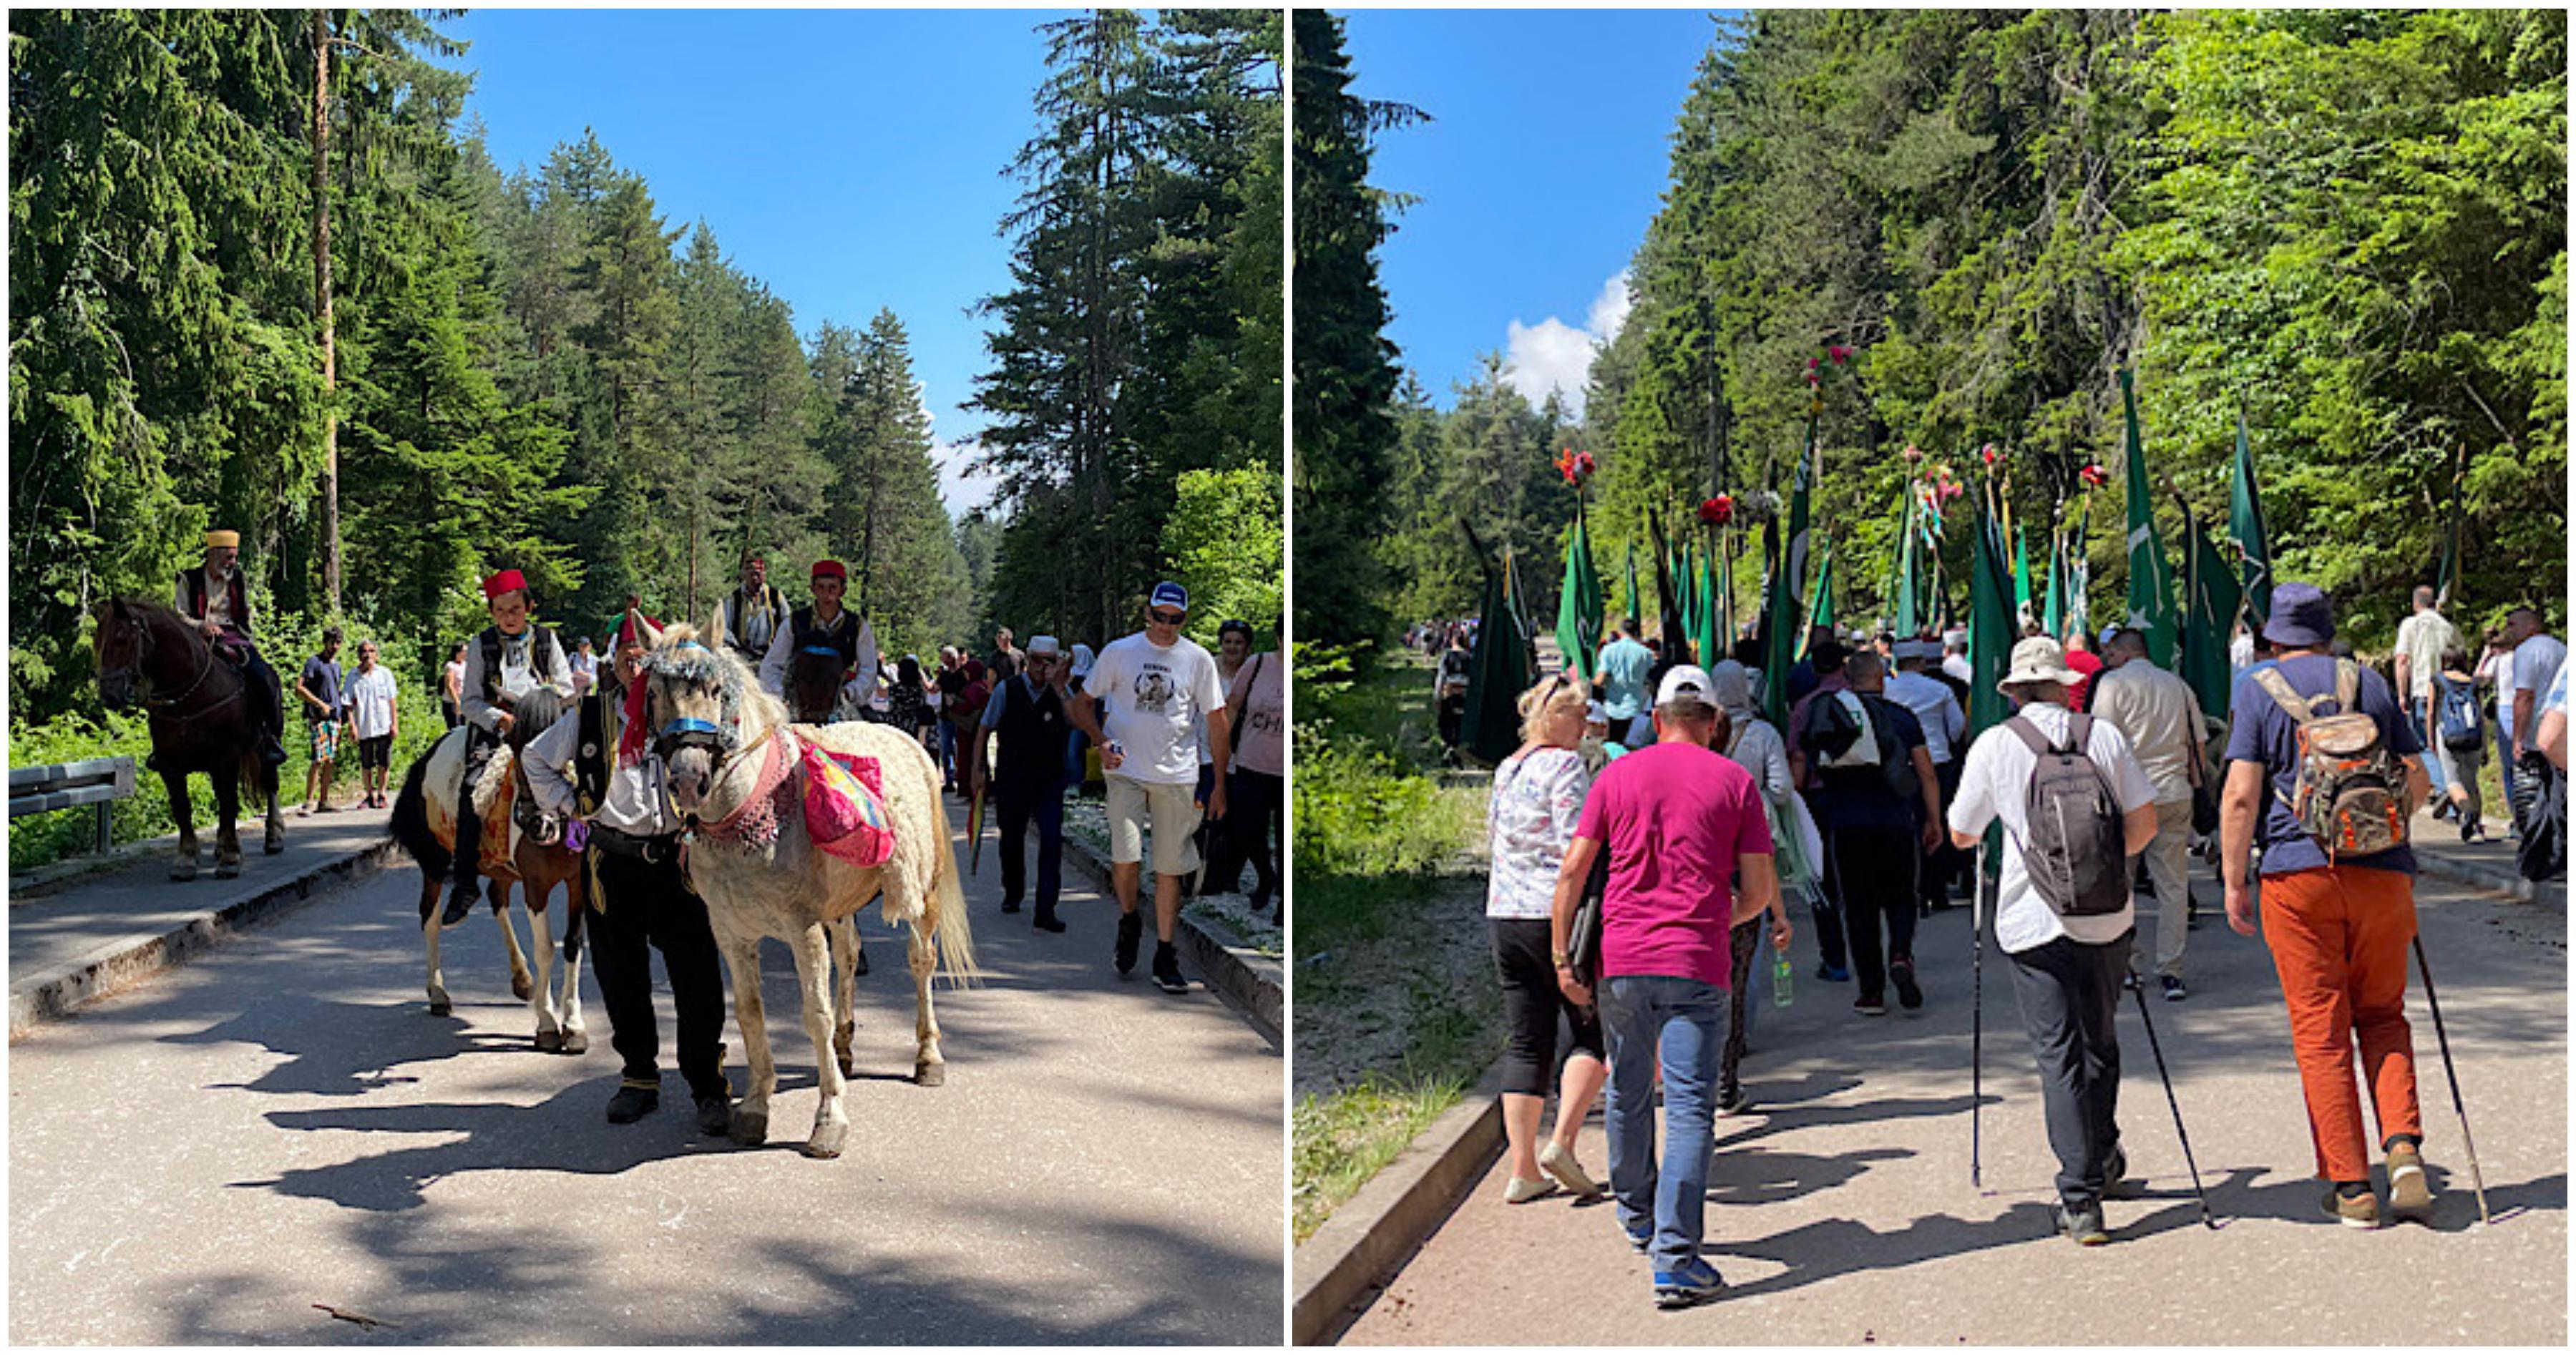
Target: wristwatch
x,y
1563,960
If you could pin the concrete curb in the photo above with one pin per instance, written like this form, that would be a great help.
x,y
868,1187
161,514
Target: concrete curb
x,y
1248,980
122,963
1376,1231
2493,879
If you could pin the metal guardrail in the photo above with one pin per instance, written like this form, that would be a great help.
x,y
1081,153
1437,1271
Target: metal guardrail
x,y
98,782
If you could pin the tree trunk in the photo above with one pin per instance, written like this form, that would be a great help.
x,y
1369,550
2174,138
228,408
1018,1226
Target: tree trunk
x,y
322,309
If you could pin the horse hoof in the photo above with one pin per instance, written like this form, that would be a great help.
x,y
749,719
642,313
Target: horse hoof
x,y
576,1042
228,870
438,1006
749,1130
521,987
849,1067
549,1041
930,1074
183,873
827,1141
275,844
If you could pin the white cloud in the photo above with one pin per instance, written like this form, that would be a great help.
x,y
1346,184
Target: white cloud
x,y
1553,356
962,487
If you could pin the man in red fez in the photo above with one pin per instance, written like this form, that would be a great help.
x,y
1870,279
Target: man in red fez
x,y
825,624
510,659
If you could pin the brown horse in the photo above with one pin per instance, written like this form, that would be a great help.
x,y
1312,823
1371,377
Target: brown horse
x,y
424,826
199,709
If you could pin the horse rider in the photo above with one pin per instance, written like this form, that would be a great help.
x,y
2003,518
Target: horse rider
x,y
825,626
601,768
216,598
510,659
751,616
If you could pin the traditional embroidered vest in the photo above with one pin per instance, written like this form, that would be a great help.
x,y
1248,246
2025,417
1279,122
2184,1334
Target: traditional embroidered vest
x,y
236,593
1032,734
842,634
543,653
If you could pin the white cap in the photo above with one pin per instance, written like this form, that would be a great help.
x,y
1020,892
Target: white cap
x,y
1955,638
1686,680
1917,649
1596,714
1043,644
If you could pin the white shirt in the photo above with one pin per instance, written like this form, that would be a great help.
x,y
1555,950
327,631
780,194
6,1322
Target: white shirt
x,y
1935,707
1154,702
855,692
1530,821
2535,663
2421,638
1995,783
371,701
518,676
2159,713
1957,666
638,802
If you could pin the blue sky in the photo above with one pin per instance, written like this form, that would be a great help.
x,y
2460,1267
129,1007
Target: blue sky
x,y
851,160
1545,158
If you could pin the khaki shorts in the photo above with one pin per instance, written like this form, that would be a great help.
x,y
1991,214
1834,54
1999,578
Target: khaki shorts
x,y
1174,814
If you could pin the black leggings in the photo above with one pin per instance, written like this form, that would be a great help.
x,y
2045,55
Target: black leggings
x,y
1531,1001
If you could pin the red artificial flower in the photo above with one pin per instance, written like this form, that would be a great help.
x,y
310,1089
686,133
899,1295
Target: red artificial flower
x,y
1990,454
1716,512
2094,475
1584,463
1840,354
1913,453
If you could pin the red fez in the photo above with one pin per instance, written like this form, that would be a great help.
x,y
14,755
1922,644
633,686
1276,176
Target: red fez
x,y
832,568
507,581
626,629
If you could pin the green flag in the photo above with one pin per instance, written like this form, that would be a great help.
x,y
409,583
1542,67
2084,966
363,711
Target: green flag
x,y
1820,611
2022,615
2053,611
2211,597
2245,525
1635,606
2151,590
1578,608
1780,608
1709,639
2450,580
1668,611
1497,674
2079,573
1908,594
1991,633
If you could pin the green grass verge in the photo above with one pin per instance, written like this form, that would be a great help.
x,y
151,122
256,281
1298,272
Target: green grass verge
x,y
1344,1139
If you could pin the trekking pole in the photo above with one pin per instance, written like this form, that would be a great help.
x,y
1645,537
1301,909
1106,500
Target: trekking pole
x,y
1977,1029
2477,1178
2167,1078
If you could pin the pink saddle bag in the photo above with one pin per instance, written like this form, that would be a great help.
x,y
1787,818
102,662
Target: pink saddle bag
x,y
845,809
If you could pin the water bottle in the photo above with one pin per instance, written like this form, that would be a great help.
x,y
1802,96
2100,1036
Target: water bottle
x,y
1779,978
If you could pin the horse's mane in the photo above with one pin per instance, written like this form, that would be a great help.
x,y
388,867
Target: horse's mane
x,y
681,655
154,616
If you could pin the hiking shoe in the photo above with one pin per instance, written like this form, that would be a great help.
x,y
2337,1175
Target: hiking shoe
x,y
1833,973
1167,969
1522,1190
2115,1170
1046,920
633,1102
2352,1211
1871,1006
2410,1188
1556,1161
1696,1282
715,1115
1010,905
2174,989
1733,1103
1131,929
2083,1226
1908,994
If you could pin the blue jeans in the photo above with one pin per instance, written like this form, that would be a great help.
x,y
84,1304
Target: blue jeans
x,y
2504,756
1673,1022
947,750
2418,709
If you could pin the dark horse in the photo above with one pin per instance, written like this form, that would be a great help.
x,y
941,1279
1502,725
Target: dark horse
x,y
813,686
199,710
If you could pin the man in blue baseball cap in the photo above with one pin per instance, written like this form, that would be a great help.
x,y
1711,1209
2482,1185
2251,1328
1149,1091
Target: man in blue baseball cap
x,y
1163,697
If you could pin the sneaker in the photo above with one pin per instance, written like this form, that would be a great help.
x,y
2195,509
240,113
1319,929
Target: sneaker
x,y
2352,1211
1871,1006
715,1115
2115,1170
1167,969
1010,905
1733,1103
1131,929
2410,1188
2174,989
1696,1282
1639,1242
2083,1226
1559,1163
633,1102
1522,1190
1046,920
1833,973
1908,994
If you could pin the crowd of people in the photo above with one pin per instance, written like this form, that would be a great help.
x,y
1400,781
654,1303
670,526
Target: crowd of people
x,y
1661,789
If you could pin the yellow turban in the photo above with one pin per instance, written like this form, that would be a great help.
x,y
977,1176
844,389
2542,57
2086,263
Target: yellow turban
x,y
223,538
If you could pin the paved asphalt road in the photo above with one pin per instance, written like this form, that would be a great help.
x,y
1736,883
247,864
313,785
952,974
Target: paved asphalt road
x,y
282,1124
1845,1215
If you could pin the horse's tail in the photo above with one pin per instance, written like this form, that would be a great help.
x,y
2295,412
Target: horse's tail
x,y
252,777
410,822
951,933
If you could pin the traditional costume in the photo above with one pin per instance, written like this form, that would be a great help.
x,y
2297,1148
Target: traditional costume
x,y
500,668
224,599
851,642
748,620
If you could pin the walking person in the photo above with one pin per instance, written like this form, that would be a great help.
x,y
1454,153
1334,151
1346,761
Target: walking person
x,y
1162,698
2422,638
1537,798
2537,656
451,686
1755,746
951,691
1822,669
585,667
1026,715
2069,955
1945,730
602,769
1624,665
321,688
1878,800
2339,924
2458,747
375,716
1681,824
2160,716
1256,712
1224,871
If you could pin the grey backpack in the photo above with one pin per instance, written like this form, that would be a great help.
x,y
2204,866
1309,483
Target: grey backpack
x,y
2076,849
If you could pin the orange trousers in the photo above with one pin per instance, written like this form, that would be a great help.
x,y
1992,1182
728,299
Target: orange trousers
x,y
2339,938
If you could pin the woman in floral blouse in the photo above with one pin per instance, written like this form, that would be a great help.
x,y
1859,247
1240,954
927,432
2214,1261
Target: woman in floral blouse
x,y
1537,798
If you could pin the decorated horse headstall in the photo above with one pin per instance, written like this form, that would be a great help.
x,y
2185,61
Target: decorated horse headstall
x,y
693,663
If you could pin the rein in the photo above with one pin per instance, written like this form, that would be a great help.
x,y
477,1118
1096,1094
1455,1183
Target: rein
x,y
159,706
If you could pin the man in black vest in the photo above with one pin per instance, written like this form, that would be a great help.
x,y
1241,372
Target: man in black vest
x,y
214,596
751,616
825,625
507,661
1027,712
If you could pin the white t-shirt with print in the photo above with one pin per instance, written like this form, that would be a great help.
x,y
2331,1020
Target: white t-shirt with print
x,y
1530,819
1995,783
371,702
1154,701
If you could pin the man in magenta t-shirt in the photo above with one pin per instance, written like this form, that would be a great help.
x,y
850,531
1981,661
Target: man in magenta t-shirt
x,y
1681,822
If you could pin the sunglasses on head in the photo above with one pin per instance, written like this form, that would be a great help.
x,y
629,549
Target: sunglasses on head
x,y
1167,618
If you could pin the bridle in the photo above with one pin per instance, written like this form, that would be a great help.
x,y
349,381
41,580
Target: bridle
x,y
160,706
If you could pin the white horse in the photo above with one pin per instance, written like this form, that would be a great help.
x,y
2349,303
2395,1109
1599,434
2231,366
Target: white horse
x,y
424,826
749,856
